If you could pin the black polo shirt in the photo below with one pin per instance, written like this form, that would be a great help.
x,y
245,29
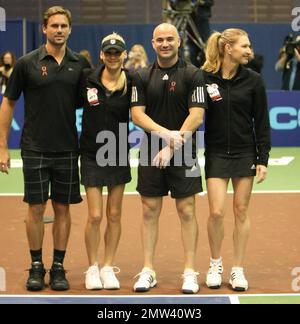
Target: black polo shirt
x,y
51,94
168,93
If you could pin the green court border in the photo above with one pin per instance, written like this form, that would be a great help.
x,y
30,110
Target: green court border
x,y
291,299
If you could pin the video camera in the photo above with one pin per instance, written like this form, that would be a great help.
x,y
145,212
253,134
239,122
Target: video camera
x,y
290,44
180,15
183,5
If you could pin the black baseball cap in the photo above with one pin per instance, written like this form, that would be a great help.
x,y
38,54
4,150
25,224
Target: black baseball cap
x,y
113,43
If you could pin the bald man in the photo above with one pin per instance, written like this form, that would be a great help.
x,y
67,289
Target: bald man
x,y
168,102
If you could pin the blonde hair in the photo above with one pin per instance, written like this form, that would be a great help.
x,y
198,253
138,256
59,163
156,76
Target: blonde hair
x,y
122,82
132,63
143,51
215,49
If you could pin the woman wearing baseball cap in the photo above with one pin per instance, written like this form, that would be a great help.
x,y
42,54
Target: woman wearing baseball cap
x,y
104,162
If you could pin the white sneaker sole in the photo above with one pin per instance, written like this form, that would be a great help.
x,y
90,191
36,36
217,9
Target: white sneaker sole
x,y
190,291
90,287
111,287
214,286
238,288
144,289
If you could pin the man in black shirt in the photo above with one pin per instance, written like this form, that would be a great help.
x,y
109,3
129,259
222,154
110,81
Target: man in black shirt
x,y
49,78
167,102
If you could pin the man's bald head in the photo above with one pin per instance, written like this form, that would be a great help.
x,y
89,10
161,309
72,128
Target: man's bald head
x,y
165,28
166,43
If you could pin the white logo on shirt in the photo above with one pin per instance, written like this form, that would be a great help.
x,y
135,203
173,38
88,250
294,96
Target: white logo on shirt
x,y
165,77
198,95
134,95
213,92
92,96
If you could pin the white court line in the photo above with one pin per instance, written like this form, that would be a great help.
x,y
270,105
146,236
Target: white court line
x,y
133,193
234,299
112,296
134,162
270,295
271,191
156,296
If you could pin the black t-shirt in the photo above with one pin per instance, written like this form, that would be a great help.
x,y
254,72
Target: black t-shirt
x,y
168,93
103,111
51,94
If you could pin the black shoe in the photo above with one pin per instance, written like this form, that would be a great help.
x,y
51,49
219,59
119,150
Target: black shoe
x,y
58,279
36,277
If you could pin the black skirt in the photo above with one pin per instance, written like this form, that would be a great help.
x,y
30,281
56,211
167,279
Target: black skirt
x,y
93,175
221,166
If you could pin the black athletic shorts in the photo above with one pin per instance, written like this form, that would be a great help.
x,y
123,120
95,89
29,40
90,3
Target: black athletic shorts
x,y
93,175
217,166
181,181
57,170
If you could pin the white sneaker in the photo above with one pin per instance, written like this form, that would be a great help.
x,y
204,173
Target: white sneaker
x,y
108,277
238,280
190,282
214,274
92,278
147,280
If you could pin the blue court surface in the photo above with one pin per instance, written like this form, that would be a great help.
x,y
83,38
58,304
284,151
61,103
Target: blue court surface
x,y
109,300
